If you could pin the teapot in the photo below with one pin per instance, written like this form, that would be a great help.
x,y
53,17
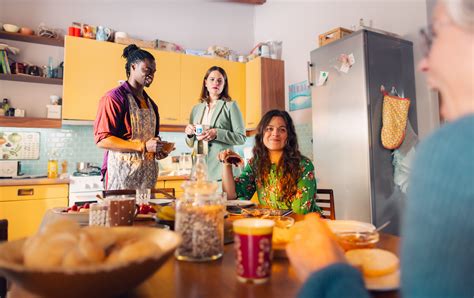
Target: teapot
x,y
103,33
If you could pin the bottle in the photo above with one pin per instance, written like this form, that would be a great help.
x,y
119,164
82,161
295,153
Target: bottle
x,y
5,107
52,168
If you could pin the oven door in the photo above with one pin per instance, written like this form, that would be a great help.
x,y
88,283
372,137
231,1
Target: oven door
x,y
81,198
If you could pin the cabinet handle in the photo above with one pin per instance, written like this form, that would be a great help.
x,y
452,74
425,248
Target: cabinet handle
x,y
250,123
26,192
310,76
171,118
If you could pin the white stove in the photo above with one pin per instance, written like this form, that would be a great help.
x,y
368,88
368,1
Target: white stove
x,y
84,189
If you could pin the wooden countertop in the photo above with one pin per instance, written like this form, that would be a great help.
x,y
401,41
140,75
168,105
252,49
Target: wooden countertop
x,y
33,181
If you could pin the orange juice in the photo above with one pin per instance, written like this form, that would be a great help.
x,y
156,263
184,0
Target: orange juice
x,y
52,168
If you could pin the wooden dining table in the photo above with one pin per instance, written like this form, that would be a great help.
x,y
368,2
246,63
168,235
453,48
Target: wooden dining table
x,y
218,278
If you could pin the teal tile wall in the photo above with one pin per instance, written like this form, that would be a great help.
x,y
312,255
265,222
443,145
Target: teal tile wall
x,y
305,137
76,143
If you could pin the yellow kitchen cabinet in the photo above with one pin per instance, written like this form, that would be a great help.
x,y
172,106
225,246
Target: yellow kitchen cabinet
x,y
176,184
160,184
265,83
24,206
93,67
193,69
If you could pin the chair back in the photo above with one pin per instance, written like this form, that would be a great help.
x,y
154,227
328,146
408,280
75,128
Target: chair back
x,y
3,237
325,201
168,193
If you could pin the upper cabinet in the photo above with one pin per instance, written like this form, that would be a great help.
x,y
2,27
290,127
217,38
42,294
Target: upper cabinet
x,y
265,81
193,69
92,68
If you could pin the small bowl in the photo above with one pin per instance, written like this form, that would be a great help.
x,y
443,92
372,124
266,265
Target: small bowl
x,y
356,240
26,31
11,28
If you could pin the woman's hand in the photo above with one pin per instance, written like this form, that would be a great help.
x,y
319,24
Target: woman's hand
x,y
189,130
151,144
208,135
224,154
313,246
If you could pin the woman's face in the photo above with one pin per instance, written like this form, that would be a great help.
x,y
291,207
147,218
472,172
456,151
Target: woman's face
x,y
215,84
275,134
449,64
143,72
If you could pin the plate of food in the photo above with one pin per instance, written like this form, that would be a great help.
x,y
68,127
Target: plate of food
x,y
379,267
239,203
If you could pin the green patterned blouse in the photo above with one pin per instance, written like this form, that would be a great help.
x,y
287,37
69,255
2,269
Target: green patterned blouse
x,y
269,193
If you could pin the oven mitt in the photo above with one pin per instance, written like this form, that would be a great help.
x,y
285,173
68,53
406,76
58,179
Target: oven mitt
x,y
394,120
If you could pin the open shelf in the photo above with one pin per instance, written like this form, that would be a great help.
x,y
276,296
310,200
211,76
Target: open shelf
x,y
59,42
30,122
30,79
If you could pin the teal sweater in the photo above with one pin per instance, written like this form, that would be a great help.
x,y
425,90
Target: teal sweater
x,y
438,235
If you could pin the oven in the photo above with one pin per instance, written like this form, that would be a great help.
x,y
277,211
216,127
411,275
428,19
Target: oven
x,y
84,189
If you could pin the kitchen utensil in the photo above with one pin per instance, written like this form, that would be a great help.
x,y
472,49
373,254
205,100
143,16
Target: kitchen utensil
x,y
383,226
85,167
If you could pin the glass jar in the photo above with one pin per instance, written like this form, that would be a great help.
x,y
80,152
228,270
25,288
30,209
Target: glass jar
x,y
199,171
200,222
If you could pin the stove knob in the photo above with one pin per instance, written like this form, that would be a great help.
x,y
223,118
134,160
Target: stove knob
x,y
87,186
95,186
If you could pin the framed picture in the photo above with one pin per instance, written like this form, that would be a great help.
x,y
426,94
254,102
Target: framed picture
x,y
299,96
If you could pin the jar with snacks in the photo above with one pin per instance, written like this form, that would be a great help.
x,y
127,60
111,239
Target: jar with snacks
x,y
200,222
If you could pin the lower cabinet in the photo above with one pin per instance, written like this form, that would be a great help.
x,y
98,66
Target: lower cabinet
x,y
24,206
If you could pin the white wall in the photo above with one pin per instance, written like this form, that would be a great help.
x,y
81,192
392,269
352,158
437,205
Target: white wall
x,y
299,23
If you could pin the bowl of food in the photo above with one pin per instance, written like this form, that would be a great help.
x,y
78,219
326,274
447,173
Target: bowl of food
x,y
351,234
166,147
64,260
11,28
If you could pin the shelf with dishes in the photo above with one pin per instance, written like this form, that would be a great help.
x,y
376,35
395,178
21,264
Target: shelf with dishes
x,y
59,42
29,122
30,79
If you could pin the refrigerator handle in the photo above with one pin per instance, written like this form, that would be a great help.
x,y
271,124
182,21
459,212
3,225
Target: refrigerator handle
x,y
310,76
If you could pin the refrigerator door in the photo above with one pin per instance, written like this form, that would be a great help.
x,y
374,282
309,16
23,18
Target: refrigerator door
x,y
340,128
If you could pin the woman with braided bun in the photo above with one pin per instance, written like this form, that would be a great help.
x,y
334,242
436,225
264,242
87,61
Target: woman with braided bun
x,y
127,126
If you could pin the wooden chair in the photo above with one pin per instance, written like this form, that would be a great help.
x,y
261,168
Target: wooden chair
x,y
168,193
326,204
3,237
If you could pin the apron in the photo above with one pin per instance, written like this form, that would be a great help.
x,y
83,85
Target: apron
x,y
134,170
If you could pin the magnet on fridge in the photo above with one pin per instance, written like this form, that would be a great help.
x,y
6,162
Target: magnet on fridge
x,y
323,77
351,59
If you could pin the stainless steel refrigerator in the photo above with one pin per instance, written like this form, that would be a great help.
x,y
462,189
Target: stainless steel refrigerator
x,y
347,122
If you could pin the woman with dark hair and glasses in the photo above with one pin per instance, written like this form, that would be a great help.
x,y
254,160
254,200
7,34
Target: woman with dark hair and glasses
x,y
436,260
221,117
127,126
281,176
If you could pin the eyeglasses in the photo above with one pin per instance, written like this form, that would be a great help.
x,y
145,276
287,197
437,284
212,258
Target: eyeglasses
x,y
279,130
427,34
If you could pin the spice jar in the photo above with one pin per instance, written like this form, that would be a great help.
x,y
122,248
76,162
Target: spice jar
x,y
200,222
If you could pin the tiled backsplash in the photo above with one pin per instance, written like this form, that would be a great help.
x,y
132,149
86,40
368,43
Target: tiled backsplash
x,y
76,143
305,137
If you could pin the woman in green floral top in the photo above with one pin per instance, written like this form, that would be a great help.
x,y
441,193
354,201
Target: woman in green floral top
x,y
282,177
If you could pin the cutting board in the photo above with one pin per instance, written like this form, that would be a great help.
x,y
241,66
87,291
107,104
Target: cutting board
x,y
19,145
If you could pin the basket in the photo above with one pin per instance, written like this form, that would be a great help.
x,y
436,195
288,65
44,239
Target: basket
x,y
333,35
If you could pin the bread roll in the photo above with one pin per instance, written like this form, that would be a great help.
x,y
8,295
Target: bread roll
x,y
373,262
47,251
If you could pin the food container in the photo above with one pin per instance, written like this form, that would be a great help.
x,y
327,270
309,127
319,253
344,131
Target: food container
x,y
200,222
356,240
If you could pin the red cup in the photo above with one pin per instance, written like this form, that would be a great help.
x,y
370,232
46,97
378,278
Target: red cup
x,y
253,249
77,31
70,31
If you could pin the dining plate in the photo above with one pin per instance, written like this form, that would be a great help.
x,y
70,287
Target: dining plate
x,y
387,282
161,201
240,203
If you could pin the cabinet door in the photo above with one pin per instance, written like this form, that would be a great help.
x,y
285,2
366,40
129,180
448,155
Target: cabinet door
x,y
165,90
193,69
24,217
91,68
254,93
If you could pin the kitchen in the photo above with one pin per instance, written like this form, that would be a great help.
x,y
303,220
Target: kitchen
x,y
234,25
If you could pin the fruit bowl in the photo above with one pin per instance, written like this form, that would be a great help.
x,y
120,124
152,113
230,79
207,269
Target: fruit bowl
x,y
100,280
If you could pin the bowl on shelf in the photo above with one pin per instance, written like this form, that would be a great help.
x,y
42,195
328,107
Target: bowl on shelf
x,y
11,28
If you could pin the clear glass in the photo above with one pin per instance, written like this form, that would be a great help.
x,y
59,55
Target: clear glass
x,y
143,196
200,222
185,164
199,172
